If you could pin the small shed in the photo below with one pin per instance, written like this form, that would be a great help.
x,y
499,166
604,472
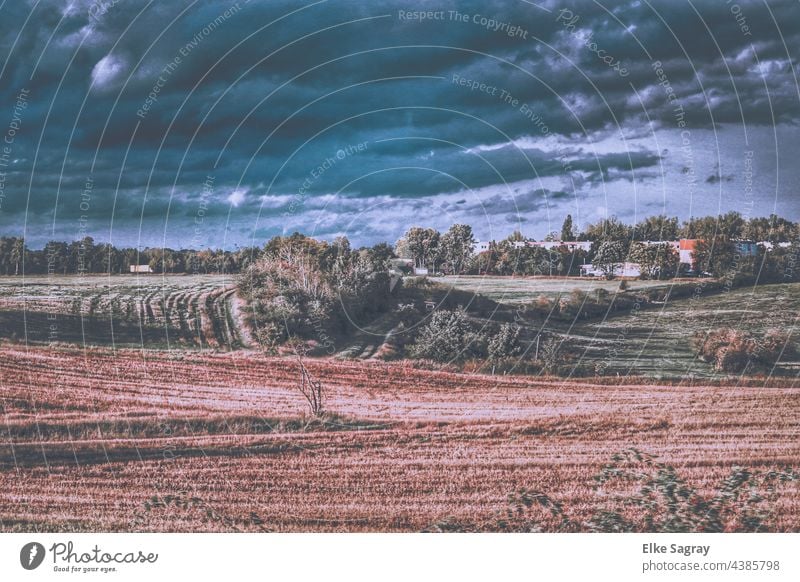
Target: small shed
x,y
141,269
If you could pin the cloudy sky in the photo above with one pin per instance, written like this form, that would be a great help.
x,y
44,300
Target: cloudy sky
x,y
216,123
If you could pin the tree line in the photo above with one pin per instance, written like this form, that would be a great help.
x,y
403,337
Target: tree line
x,y
85,256
451,252
613,242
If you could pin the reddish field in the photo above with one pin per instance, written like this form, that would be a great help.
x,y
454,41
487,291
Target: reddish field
x,y
90,438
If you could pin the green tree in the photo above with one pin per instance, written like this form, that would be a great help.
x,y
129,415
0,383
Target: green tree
x,y
448,337
58,253
456,247
515,236
657,228
17,253
566,229
608,255
656,261
716,256
730,225
699,227
423,244
380,256
505,343
773,229
609,229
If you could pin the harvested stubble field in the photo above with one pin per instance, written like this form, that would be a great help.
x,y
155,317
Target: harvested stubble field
x,y
167,311
188,441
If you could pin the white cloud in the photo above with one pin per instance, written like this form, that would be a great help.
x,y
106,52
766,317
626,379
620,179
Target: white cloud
x,y
108,71
237,197
771,67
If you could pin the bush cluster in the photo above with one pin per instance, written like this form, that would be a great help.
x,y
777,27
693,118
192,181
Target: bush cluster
x,y
736,351
309,290
451,337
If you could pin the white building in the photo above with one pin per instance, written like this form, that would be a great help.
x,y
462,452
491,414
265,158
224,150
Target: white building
x,y
572,245
769,246
141,269
481,246
675,244
625,269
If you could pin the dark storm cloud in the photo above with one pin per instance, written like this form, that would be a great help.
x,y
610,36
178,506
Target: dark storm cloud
x,y
147,100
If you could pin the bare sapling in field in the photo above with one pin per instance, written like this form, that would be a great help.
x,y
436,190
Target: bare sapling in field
x,y
311,390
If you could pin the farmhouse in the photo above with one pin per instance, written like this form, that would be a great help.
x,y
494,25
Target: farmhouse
x,y
686,248
141,269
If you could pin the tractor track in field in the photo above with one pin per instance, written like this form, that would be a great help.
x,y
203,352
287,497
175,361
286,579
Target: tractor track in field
x,y
145,311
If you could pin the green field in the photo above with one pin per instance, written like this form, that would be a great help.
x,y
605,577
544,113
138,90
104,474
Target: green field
x,y
651,340
203,311
525,289
655,341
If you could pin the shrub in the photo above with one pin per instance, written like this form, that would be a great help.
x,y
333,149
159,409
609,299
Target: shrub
x,y
572,305
601,296
543,303
666,503
531,511
310,290
505,343
448,337
551,355
777,342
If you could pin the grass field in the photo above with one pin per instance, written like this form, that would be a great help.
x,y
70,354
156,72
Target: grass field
x,y
147,441
527,289
656,341
178,312
648,339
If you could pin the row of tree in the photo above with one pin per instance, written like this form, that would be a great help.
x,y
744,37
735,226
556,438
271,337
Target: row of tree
x,y
450,252
732,225
504,258
86,256
717,251
428,248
